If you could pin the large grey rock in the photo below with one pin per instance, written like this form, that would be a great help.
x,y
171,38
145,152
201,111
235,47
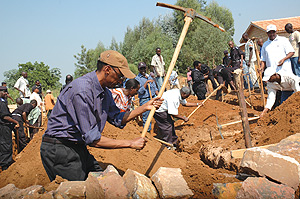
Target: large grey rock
x,y
263,188
93,188
171,184
289,146
113,185
138,185
280,168
88,189
8,191
71,189
29,191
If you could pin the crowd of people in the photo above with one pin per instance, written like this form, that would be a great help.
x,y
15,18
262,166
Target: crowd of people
x,y
26,118
87,103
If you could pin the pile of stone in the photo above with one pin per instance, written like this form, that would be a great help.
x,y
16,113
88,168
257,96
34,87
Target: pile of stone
x,y
165,183
276,169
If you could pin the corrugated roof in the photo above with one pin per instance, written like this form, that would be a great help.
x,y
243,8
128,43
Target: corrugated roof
x,y
279,23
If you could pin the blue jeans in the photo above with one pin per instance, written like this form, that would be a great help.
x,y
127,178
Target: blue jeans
x,y
295,66
145,114
285,95
159,82
246,81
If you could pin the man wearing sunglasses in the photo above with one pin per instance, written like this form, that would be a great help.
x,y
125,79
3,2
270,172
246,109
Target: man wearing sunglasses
x,y
79,117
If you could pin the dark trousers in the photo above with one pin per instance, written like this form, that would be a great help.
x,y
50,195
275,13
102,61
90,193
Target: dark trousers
x,y
33,131
199,90
166,127
5,146
70,160
212,80
21,133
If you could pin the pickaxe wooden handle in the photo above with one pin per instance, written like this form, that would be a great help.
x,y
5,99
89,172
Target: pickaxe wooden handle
x,y
203,102
189,15
260,73
236,122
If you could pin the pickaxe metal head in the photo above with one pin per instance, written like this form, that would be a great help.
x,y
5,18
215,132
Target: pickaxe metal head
x,y
191,13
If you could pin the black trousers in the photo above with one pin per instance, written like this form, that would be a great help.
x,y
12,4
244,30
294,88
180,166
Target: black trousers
x,y
5,146
199,90
212,80
21,133
70,160
166,127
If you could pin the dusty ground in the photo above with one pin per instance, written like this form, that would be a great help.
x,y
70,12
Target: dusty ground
x,y
200,130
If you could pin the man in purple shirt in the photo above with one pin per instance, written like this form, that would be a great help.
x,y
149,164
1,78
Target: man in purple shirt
x,y
79,116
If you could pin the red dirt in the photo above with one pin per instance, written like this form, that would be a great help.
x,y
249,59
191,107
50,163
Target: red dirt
x,y
200,130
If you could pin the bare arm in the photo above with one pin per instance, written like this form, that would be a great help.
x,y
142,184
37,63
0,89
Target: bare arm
x,y
181,117
190,104
156,102
107,143
12,121
288,56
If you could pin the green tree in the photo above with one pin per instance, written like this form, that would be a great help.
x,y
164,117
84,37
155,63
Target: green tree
x,y
220,15
87,59
49,78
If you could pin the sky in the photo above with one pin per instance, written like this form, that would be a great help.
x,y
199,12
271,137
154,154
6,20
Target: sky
x,y
52,31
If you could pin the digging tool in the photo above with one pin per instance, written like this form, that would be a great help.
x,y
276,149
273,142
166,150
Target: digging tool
x,y
248,80
149,91
236,122
190,14
203,102
237,75
260,73
220,127
163,142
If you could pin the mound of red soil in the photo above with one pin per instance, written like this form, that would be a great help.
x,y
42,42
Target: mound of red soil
x,y
200,130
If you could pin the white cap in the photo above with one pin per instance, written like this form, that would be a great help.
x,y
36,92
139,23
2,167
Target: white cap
x,y
48,91
271,27
268,73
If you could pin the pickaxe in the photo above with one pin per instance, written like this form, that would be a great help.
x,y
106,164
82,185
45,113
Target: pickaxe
x,y
189,14
260,73
221,86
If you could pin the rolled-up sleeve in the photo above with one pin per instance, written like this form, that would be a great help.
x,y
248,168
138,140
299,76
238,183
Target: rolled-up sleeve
x,y
271,98
84,118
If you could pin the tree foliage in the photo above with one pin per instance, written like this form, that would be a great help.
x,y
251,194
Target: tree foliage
x,y
203,42
87,59
49,78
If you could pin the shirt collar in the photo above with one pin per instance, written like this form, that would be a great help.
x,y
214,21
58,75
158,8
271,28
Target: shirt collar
x,y
96,83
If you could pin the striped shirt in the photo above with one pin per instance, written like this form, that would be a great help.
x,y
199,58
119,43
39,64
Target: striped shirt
x,y
122,101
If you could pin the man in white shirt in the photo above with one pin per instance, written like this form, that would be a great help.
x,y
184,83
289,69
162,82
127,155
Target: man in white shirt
x,y
35,95
280,81
294,39
22,86
173,80
172,99
276,53
158,65
250,58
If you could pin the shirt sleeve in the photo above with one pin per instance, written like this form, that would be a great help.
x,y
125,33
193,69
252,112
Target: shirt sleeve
x,y
153,62
288,46
3,110
263,54
114,116
17,84
271,98
84,117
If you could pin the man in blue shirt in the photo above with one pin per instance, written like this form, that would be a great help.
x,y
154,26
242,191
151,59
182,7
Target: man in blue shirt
x,y
145,81
79,116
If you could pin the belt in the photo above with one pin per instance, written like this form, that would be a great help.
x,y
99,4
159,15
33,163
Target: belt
x,y
53,140
17,114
